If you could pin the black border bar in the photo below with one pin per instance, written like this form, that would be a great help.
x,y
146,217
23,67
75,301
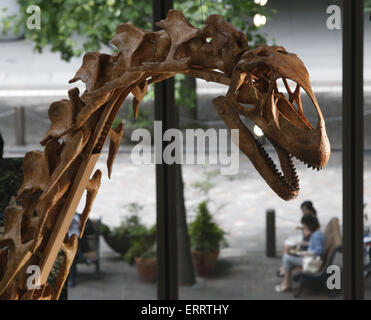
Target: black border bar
x,y
353,148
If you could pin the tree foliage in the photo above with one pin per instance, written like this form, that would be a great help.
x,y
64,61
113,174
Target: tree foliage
x,y
72,27
64,23
368,5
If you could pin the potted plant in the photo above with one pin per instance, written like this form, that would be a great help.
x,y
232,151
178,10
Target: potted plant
x,y
206,240
117,238
142,252
120,237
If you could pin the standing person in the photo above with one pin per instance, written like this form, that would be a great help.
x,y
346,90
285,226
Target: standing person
x,y
316,248
298,241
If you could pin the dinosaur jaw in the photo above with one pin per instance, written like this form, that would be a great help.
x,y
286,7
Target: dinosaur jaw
x,y
286,183
287,176
291,135
286,127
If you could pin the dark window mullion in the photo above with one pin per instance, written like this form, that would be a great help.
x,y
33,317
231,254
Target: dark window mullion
x,y
167,285
353,148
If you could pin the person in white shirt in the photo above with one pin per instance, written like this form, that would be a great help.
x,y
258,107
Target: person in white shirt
x,y
298,241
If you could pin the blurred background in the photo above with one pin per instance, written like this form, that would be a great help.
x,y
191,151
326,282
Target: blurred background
x,y
35,67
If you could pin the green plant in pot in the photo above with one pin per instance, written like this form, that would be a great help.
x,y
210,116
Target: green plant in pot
x,y
119,238
206,240
142,252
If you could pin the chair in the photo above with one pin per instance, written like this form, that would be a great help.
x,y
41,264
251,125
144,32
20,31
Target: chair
x,y
333,245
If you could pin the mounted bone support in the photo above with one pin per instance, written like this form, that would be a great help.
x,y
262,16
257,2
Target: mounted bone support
x,y
69,248
115,141
91,192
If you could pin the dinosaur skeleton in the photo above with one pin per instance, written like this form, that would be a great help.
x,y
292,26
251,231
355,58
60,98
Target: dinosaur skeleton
x,y
55,179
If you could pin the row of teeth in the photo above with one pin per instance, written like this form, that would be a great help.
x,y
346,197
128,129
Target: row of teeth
x,y
293,185
309,165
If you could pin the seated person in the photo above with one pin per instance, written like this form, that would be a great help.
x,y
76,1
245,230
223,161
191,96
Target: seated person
x,y
311,229
298,241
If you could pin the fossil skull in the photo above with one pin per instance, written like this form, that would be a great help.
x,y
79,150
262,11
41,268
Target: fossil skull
x,y
279,116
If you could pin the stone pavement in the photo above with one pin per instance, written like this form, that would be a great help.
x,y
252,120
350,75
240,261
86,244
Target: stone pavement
x,y
239,275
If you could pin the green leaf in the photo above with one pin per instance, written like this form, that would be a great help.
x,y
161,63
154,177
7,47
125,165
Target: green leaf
x,y
96,21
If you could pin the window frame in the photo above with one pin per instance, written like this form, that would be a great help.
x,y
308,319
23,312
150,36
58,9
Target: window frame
x,y
353,153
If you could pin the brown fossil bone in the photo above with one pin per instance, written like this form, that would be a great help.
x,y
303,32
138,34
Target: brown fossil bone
x,y
61,117
44,293
69,248
43,207
55,179
11,292
19,252
128,38
174,22
91,192
36,173
226,41
115,141
70,151
139,93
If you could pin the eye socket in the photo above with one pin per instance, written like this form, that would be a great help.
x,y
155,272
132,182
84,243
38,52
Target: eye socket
x,y
281,50
262,53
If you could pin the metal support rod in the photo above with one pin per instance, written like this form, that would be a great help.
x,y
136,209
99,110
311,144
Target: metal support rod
x,y
166,181
270,233
19,125
353,147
